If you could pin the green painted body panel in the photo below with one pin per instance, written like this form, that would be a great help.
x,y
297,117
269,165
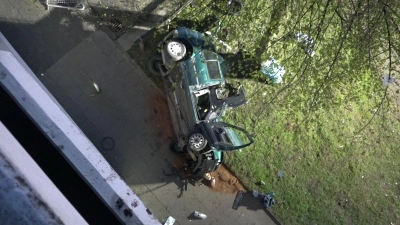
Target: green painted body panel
x,y
196,71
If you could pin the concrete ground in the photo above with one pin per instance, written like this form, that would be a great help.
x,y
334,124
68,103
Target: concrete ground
x,y
126,121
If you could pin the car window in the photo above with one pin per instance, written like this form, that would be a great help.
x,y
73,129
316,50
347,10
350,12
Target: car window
x,y
203,105
229,137
237,138
212,65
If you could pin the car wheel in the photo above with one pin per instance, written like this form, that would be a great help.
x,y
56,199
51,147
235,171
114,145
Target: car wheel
x,y
173,145
196,140
178,49
155,64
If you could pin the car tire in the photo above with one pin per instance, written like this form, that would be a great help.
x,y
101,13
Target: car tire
x,y
154,62
173,145
196,141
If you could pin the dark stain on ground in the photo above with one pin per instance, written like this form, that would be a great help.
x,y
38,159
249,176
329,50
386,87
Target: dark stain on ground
x,y
160,119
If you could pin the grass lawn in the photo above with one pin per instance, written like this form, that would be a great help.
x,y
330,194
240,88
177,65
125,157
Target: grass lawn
x,y
330,174
324,166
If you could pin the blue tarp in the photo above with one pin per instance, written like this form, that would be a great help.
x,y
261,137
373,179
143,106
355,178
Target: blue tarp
x,y
272,69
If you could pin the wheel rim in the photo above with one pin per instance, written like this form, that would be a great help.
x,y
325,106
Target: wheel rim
x,y
157,64
176,50
196,141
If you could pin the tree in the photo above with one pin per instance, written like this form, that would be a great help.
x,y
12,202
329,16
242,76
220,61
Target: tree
x,y
349,38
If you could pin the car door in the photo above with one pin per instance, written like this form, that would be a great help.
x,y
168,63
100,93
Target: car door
x,y
226,137
237,98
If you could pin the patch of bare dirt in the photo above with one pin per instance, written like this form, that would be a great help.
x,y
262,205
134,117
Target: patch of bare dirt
x,y
160,117
226,182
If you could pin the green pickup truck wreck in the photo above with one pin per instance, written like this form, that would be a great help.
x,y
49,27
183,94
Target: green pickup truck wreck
x,y
198,96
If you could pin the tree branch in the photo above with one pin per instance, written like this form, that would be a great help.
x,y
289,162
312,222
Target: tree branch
x,y
389,40
342,20
331,67
375,113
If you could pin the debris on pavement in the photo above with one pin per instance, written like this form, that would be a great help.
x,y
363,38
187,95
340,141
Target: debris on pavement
x,y
238,199
199,215
170,221
179,176
207,176
213,182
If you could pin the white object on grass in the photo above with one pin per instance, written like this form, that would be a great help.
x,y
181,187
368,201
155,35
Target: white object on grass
x,y
388,80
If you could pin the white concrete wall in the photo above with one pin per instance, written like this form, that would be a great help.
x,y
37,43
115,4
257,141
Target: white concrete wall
x,y
26,193
55,123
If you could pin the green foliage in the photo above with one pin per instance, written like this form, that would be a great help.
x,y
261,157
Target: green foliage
x,y
334,174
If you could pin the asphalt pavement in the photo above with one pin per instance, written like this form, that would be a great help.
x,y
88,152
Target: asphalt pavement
x,y
125,117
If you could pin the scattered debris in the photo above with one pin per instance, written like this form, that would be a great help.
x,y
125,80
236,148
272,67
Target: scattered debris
x,y
267,199
281,174
260,183
170,221
207,176
238,199
387,79
256,193
98,90
199,215
213,182
179,176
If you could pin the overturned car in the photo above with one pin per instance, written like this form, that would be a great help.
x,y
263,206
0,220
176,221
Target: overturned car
x,y
198,96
